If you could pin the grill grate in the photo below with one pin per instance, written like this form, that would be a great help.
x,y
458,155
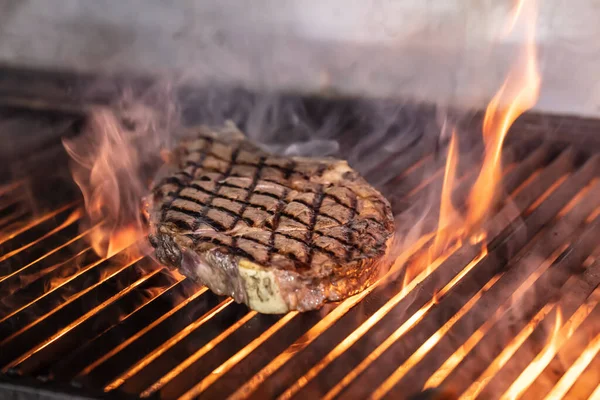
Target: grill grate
x,y
129,327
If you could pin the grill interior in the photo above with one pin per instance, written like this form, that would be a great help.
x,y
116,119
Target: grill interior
x,y
477,326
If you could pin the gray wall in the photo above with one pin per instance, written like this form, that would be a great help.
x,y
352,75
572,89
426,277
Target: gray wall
x,y
446,51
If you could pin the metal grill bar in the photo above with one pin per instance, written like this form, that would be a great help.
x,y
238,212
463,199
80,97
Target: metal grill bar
x,y
129,326
461,257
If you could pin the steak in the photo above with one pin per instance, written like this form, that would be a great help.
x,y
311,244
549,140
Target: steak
x,y
276,233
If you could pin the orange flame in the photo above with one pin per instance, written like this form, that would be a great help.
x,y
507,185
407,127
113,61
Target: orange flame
x,y
518,94
505,355
448,214
106,169
568,379
539,363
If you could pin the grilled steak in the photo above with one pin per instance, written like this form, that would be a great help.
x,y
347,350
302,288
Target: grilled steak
x,y
275,233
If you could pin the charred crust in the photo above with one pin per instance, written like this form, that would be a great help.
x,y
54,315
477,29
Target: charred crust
x,y
166,250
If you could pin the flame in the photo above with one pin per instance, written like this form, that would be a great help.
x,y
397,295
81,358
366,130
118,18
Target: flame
x,y
505,355
568,379
560,335
110,241
451,362
448,214
539,363
106,168
518,94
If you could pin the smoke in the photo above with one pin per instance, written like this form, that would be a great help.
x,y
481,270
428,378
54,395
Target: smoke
x,y
126,139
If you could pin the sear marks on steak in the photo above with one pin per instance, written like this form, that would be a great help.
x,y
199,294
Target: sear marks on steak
x,y
275,233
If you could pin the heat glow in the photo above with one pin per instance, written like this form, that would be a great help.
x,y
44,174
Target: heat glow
x,y
106,168
518,93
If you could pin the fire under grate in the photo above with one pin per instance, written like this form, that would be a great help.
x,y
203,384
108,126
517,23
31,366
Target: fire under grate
x,y
523,318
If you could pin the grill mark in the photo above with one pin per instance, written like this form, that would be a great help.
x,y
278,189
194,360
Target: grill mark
x,y
307,247
204,151
271,213
289,169
218,185
172,180
321,213
276,218
275,181
353,211
373,220
267,194
252,239
263,208
331,217
334,198
234,186
255,178
294,218
222,196
234,250
181,224
292,256
316,206
339,201
342,241
190,163
303,202
176,181
286,170
203,136
224,174
227,211
199,218
372,236
310,246
271,249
